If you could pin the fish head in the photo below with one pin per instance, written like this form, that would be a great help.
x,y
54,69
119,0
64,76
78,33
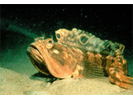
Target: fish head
x,y
36,52
51,58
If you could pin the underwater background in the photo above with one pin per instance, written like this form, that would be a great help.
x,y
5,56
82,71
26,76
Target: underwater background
x,y
20,24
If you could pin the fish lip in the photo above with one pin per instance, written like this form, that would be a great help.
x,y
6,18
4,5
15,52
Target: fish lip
x,y
34,54
33,46
31,49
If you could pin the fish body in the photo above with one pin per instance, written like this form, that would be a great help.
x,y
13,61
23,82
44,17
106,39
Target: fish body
x,y
79,54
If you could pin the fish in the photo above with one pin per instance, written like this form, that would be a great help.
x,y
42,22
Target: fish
x,y
80,54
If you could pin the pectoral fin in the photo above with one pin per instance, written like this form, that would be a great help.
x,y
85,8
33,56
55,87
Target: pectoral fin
x,y
92,70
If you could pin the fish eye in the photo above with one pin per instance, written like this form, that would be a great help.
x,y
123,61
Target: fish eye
x,y
49,43
83,39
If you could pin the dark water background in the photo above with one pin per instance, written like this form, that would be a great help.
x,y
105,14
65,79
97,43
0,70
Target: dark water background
x,y
20,24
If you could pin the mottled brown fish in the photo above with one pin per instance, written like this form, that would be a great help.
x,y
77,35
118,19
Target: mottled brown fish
x,y
79,54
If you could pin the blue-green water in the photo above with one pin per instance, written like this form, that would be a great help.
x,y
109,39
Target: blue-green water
x,y
20,24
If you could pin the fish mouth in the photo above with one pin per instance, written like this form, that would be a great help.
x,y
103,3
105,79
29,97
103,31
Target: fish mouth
x,y
34,53
34,47
36,58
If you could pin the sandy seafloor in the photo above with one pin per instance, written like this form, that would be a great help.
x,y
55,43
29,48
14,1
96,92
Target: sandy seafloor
x,y
16,70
